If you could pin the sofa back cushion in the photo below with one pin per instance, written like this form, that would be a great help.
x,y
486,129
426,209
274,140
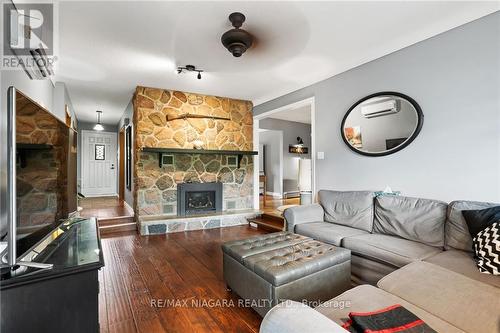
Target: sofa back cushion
x,y
420,220
351,208
457,234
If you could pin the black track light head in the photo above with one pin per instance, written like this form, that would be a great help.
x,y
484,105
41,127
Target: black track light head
x,y
189,68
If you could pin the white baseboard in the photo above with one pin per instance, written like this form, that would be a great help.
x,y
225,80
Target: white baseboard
x,y
97,195
274,194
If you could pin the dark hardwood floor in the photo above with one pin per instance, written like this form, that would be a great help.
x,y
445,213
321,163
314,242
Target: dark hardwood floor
x,y
183,269
102,207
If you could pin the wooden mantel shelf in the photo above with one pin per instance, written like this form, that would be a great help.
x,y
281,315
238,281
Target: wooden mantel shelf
x,y
239,153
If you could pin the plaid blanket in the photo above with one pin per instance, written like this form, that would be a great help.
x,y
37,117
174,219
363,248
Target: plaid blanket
x,y
394,318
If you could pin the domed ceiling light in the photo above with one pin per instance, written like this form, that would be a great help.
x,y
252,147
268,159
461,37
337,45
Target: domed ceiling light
x,y
98,126
237,40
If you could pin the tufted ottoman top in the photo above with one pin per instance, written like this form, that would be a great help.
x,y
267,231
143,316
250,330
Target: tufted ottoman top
x,y
241,249
291,263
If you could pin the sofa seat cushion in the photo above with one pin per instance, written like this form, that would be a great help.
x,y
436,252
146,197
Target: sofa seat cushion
x,y
463,302
416,219
367,298
327,232
291,263
352,208
240,249
463,262
387,249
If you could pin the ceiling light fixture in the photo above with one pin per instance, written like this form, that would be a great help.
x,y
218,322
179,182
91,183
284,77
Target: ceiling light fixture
x,y
237,40
98,126
189,68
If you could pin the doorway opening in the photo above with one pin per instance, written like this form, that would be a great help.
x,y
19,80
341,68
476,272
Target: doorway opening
x,y
285,139
98,164
102,184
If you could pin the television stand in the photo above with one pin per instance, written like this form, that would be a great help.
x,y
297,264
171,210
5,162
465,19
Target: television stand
x,y
63,298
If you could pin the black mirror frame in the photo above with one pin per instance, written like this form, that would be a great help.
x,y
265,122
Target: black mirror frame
x,y
420,123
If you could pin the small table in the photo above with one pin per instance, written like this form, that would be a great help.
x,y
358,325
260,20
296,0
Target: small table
x,y
268,269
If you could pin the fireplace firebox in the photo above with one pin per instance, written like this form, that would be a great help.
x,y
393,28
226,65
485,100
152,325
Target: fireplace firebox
x,y
199,198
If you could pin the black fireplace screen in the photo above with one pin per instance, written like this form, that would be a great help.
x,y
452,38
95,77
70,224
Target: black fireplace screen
x,y
199,198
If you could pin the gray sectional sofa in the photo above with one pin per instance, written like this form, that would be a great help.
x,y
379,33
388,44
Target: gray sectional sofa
x,y
388,232
409,251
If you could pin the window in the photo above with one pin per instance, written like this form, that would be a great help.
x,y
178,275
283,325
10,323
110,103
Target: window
x,y
100,152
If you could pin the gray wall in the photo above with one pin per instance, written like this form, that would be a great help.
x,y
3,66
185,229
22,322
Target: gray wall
x,y
90,127
455,79
129,113
61,99
272,141
291,130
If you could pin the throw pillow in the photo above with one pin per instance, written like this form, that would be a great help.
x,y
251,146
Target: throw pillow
x,y
487,249
477,220
484,228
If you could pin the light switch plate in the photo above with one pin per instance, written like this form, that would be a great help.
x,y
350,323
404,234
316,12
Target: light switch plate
x,y
321,155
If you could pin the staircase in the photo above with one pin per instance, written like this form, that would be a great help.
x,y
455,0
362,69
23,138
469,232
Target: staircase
x,y
109,225
269,222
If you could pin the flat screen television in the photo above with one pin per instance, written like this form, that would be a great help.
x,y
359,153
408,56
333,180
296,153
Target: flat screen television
x,y
40,160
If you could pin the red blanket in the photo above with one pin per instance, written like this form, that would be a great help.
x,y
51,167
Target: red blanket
x,y
394,318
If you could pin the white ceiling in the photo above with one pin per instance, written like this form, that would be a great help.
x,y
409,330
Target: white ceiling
x,y
106,49
300,115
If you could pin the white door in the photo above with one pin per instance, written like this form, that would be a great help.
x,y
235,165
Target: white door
x,y
98,163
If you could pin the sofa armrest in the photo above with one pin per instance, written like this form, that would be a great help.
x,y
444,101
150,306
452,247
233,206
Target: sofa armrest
x,y
303,214
295,317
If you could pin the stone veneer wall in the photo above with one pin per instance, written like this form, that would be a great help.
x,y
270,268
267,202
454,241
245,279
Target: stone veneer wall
x,y
155,188
37,193
42,183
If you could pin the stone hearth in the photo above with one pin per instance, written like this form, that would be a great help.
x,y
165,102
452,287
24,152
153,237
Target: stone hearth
x,y
151,225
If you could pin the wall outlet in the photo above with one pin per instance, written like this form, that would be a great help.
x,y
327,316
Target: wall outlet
x,y
321,155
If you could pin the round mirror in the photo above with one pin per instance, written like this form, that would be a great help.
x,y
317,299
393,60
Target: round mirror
x,y
382,124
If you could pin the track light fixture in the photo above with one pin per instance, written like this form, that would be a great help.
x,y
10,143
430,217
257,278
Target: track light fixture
x,y
189,68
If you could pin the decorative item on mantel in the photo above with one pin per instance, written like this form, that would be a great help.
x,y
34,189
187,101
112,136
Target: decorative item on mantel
x,y
185,116
198,144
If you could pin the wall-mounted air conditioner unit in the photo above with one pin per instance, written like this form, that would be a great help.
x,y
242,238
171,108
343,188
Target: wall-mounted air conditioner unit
x,y
380,109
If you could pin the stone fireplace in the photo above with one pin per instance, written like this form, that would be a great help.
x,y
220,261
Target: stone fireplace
x,y
158,187
199,198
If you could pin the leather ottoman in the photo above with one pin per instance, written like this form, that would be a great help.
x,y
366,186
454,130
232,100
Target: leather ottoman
x,y
267,269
